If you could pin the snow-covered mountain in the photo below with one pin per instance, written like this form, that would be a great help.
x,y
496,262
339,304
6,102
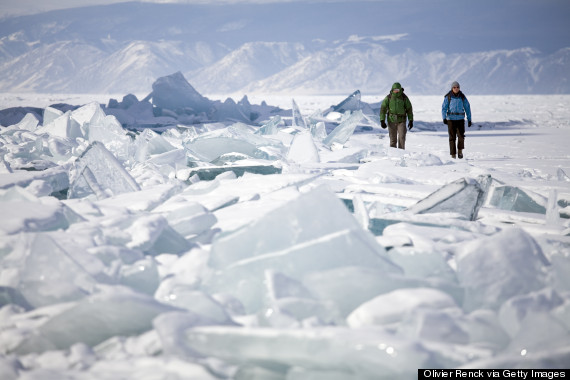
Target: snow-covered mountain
x,y
281,48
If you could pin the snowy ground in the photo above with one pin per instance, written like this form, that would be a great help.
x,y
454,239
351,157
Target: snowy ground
x,y
271,276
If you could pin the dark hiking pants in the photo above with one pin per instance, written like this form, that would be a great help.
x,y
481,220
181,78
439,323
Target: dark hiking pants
x,y
456,131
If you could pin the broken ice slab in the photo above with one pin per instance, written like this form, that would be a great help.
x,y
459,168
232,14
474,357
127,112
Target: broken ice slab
x,y
174,92
64,126
244,279
402,302
98,172
186,217
303,149
269,128
513,198
351,103
114,311
464,196
153,235
57,178
109,131
366,354
349,286
185,297
298,120
50,274
318,130
302,220
237,138
344,130
208,173
50,114
496,268
25,213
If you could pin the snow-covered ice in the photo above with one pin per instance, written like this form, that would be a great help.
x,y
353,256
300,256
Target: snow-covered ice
x,y
215,240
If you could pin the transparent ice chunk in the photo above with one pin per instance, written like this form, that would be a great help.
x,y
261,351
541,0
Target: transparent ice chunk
x,y
52,275
496,268
513,198
308,217
98,172
562,176
234,139
29,122
149,143
110,132
50,114
270,128
318,131
464,196
153,235
365,353
244,279
344,130
116,311
298,120
185,297
351,103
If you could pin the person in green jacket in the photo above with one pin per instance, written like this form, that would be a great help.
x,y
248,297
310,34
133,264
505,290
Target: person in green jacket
x,y
397,106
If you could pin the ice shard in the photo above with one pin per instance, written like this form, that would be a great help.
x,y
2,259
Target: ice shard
x,y
351,103
29,122
562,176
98,172
344,130
50,114
149,143
464,196
303,149
513,198
318,130
298,120
270,128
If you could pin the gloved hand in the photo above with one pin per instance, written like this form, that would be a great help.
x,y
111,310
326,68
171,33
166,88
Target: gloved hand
x,y
410,125
445,121
468,123
383,124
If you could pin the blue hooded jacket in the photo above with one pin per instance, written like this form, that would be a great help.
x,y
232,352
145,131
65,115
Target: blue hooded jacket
x,y
455,107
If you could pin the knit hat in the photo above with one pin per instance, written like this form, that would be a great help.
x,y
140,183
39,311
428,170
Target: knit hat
x,y
455,84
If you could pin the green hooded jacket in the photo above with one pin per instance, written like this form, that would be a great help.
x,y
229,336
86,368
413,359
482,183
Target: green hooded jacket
x,y
396,106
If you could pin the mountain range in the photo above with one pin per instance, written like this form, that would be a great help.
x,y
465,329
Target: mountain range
x,y
123,48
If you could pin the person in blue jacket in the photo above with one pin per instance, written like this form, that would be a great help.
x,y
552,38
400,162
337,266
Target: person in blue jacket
x,y
453,111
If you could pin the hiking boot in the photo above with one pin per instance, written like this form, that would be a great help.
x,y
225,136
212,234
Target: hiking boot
x,y
453,156
460,154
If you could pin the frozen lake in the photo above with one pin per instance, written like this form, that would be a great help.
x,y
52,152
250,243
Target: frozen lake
x,y
346,261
